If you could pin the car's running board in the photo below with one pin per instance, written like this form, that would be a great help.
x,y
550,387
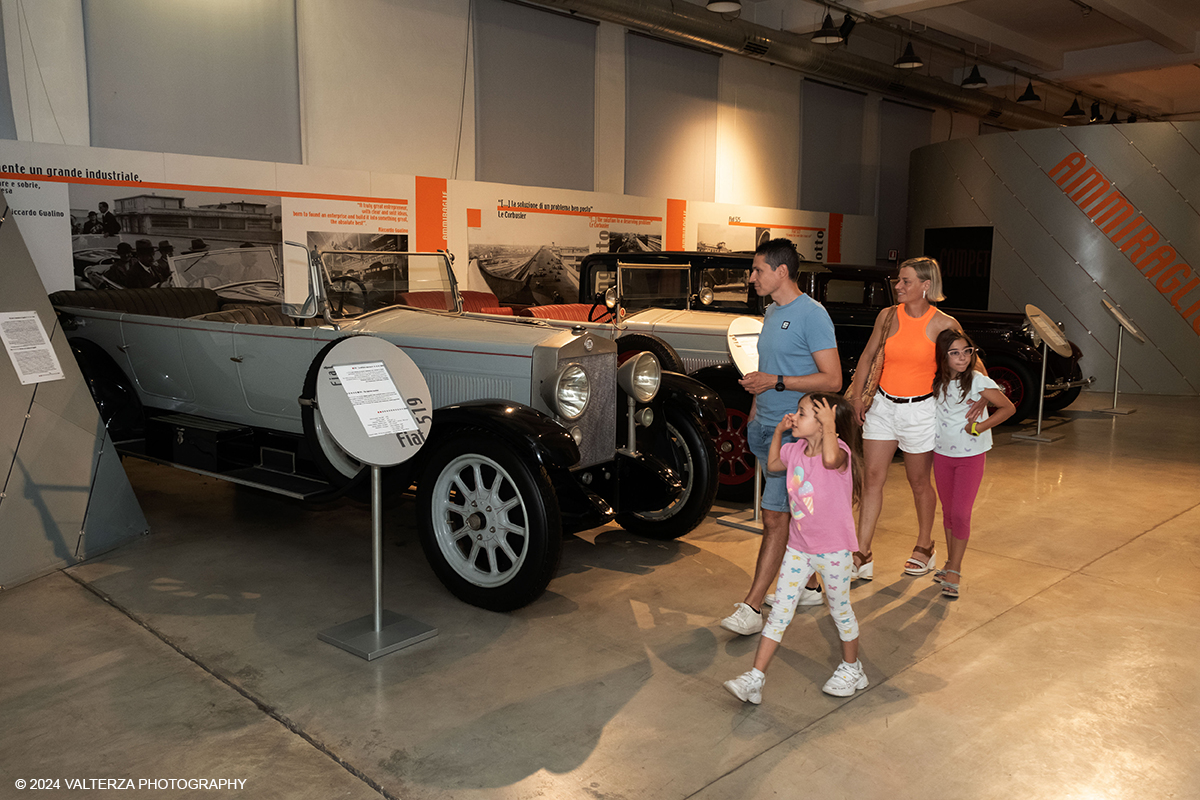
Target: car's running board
x,y
288,485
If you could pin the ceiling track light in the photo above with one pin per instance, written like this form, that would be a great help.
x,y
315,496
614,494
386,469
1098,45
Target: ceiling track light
x,y
828,34
974,80
909,60
1029,95
848,23
1074,111
1096,115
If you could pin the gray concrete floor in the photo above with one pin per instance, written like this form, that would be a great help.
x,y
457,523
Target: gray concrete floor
x,y
1067,669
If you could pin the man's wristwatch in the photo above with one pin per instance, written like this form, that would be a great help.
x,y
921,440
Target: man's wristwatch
x,y
779,387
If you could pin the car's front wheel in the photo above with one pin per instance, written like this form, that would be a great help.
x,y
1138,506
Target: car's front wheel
x,y
686,447
735,462
490,525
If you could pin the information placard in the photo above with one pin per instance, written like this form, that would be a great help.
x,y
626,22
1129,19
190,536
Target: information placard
x,y
29,347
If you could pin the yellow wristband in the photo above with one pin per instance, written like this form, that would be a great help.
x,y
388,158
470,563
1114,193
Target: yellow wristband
x,y
974,430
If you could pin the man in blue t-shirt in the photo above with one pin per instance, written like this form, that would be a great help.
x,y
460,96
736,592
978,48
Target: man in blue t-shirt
x,y
797,354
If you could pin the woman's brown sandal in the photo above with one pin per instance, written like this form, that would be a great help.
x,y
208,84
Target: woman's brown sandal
x,y
914,565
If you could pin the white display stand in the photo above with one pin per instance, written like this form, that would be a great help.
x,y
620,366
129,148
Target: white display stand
x,y
375,404
1125,324
1053,339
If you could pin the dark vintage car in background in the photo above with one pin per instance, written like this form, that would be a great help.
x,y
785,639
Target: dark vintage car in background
x,y
853,295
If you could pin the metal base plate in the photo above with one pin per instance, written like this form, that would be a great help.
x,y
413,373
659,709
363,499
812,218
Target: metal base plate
x,y
360,637
742,520
1044,438
1120,411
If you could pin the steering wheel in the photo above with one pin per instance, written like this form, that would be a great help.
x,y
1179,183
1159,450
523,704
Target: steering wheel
x,y
342,293
605,317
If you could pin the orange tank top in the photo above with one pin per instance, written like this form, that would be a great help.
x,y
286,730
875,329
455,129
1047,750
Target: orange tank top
x,y
909,360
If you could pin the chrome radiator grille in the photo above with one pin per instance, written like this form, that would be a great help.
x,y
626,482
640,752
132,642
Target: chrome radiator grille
x,y
598,422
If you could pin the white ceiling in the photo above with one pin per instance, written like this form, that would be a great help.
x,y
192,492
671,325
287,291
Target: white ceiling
x,y
1131,55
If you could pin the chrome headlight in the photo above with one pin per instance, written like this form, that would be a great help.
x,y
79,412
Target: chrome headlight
x,y
640,376
568,391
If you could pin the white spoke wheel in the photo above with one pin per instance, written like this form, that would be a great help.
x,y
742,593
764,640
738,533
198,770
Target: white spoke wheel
x,y
490,522
686,447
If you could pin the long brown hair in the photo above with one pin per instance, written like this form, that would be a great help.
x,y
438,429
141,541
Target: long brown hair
x,y
849,432
943,378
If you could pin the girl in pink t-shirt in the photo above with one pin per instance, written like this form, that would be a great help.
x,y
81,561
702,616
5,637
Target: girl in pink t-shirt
x,y
823,481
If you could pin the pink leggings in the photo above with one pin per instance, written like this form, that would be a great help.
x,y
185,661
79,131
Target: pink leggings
x,y
958,482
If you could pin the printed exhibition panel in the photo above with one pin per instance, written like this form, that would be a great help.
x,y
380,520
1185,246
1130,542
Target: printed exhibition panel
x,y
98,218
1080,216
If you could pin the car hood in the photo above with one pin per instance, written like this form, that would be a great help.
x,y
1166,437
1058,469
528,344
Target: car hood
x,y
452,331
666,319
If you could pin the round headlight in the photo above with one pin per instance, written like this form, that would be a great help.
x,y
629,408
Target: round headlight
x,y
610,297
640,376
706,296
569,391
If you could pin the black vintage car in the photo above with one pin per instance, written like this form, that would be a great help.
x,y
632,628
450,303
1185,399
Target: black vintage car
x,y
853,295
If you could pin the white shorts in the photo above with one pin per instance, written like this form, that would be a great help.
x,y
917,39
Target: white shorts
x,y
910,424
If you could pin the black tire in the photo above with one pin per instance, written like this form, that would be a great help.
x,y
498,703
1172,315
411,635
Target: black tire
x,y
687,448
1018,384
1059,400
339,467
735,462
632,343
497,571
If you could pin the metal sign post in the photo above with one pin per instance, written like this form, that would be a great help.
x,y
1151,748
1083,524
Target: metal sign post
x,y
1125,324
375,403
1052,339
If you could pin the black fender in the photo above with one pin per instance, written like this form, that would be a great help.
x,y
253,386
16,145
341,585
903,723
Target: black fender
x,y
719,376
525,429
686,391
115,395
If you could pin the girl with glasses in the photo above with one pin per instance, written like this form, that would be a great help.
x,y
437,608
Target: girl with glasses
x,y
960,446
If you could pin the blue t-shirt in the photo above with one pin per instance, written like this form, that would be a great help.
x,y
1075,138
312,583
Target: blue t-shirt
x,y
790,335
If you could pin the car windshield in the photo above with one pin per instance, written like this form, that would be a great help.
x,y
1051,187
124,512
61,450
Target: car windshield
x,y
654,286
367,280
731,290
216,268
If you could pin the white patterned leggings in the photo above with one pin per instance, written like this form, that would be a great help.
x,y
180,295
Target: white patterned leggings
x,y
835,574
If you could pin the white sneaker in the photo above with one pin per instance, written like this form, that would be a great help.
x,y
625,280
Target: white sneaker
x,y
846,680
744,620
769,600
811,597
746,687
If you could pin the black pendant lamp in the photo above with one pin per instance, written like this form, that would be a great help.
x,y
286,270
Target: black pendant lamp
x,y
1074,111
828,34
1029,95
909,60
724,6
974,80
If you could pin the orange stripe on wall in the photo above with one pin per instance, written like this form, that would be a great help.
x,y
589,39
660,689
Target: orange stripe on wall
x,y
430,228
835,239
676,224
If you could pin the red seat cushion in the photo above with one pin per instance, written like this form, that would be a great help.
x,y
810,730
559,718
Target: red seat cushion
x,y
573,311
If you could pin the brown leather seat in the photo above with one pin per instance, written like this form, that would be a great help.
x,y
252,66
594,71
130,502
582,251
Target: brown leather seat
x,y
160,302
249,315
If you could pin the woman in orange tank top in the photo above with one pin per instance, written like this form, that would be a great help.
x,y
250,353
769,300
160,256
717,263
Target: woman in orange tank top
x,y
902,413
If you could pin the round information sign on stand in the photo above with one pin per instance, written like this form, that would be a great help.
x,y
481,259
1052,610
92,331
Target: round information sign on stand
x,y
1052,339
742,338
1126,324
376,405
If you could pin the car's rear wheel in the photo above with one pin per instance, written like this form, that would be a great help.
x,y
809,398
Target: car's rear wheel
x,y
735,462
686,447
1017,382
490,525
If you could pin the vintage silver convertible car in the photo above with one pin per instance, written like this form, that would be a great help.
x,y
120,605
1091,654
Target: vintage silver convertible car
x,y
536,431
